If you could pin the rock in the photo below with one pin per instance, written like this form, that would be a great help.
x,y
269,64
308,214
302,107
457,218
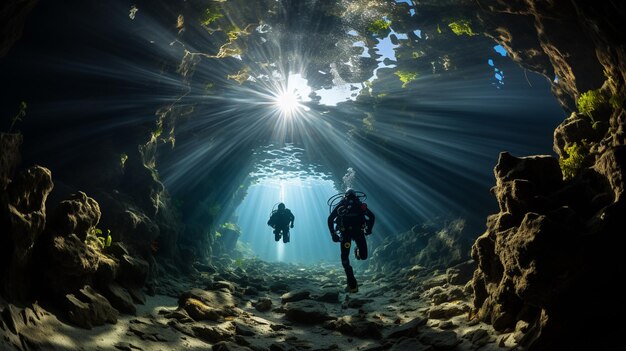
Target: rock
x,y
206,268
137,295
447,295
440,340
357,326
214,334
229,346
242,330
119,298
279,287
357,303
410,344
222,284
77,215
461,273
479,337
118,249
306,311
447,325
447,310
126,346
263,305
437,245
146,329
207,305
293,296
22,219
71,264
132,272
330,297
408,329
88,309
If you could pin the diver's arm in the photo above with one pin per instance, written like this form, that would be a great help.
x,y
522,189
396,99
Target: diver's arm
x,y
370,219
292,218
331,220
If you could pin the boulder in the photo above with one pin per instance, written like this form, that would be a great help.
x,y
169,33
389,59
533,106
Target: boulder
x,y
78,215
307,312
88,308
23,218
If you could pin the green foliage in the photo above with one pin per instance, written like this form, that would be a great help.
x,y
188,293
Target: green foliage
x,y
230,226
406,77
218,235
208,87
590,102
157,133
233,33
461,27
102,240
571,165
210,15
239,262
19,115
379,26
123,159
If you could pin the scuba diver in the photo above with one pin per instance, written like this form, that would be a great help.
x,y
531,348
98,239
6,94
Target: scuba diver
x,y
353,220
281,220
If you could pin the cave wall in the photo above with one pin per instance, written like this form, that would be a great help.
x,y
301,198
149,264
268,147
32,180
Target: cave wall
x,y
549,257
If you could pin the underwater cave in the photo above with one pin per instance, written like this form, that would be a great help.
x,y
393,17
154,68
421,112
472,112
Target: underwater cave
x,y
455,172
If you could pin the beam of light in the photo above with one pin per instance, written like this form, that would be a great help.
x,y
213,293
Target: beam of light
x,y
424,151
290,97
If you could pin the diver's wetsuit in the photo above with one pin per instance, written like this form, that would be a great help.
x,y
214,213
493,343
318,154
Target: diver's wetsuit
x,y
352,216
280,221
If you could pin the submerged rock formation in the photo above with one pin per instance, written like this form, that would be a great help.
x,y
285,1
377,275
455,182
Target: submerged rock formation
x,y
547,260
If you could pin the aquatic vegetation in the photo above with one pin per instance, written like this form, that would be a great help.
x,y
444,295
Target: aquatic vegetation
x,y
210,15
379,26
590,102
103,241
368,123
571,165
233,33
19,115
208,88
241,76
230,226
406,77
157,133
461,27
123,159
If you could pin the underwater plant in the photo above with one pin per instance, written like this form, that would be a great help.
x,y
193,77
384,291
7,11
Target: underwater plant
x,y
102,240
571,165
123,159
461,27
406,77
210,15
590,102
379,26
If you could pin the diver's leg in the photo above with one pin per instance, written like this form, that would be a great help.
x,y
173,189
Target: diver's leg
x,y
276,234
286,235
361,246
346,243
